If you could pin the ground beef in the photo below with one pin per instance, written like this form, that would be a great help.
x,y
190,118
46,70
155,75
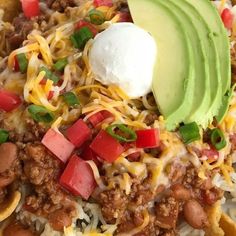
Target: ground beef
x,y
152,229
22,27
143,193
113,204
167,212
34,131
60,5
151,118
41,171
127,210
202,190
3,194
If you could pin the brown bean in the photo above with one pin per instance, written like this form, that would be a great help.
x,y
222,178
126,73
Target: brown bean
x,y
59,219
195,215
180,192
16,229
6,180
8,154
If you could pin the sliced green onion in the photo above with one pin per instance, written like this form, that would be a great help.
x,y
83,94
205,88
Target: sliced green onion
x,y
22,61
127,132
218,139
3,135
50,75
96,17
40,114
60,64
190,132
71,99
81,37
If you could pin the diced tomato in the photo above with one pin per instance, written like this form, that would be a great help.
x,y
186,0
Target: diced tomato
x,y
148,138
106,114
98,117
58,145
9,101
78,178
98,3
227,18
50,95
83,23
106,147
78,133
134,156
125,17
88,154
211,154
30,8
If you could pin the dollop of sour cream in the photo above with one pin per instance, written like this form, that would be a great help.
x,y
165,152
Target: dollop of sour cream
x,y
124,55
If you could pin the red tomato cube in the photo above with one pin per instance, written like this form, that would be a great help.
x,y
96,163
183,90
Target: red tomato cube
x,y
9,101
148,138
78,133
30,8
98,3
106,147
88,154
58,145
78,178
227,18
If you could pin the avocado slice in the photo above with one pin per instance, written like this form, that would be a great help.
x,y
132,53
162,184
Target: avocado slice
x,y
203,113
212,18
174,71
201,47
214,21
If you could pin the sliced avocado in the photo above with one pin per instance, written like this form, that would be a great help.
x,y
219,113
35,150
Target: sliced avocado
x,y
212,18
203,113
174,72
201,47
219,33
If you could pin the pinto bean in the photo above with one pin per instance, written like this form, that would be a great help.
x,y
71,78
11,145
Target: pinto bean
x,y
6,180
180,192
8,154
195,215
16,229
59,219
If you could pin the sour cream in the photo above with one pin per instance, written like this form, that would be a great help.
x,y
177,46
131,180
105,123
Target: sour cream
x,y
124,55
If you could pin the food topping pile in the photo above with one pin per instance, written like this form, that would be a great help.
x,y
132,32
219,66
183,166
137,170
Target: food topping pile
x,y
114,121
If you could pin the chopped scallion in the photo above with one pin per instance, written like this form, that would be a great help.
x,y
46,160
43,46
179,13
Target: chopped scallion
x,y
50,75
217,139
40,114
81,37
190,132
23,62
60,64
71,99
96,17
3,136
128,134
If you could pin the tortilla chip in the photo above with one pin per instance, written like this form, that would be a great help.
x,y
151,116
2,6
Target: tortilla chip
x,y
11,9
228,225
9,206
214,214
